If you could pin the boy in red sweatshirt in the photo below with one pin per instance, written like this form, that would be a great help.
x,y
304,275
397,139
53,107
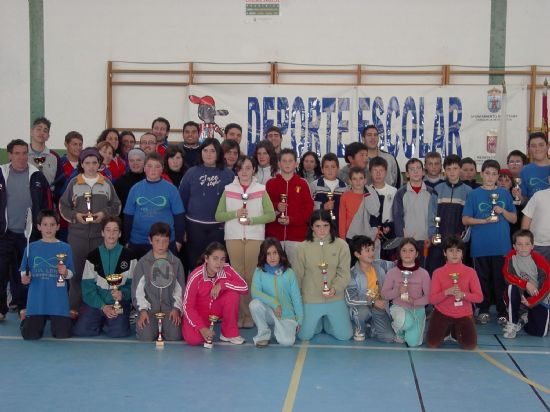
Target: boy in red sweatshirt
x,y
293,209
455,287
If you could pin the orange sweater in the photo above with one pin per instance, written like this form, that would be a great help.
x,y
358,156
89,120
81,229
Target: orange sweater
x,y
349,204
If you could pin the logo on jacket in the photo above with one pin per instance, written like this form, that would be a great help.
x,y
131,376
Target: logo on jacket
x,y
298,189
124,265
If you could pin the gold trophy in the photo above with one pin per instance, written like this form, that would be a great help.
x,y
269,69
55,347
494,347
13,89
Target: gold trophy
x,y
283,198
324,266
437,237
40,162
160,338
373,295
330,196
406,275
493,217
89,217
517,199
114,281
243,218
209,344
60,279
454,277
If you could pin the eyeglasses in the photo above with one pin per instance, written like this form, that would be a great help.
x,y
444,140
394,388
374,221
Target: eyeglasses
x,y
515,162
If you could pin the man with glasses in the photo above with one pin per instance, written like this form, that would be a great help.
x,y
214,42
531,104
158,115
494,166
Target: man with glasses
x,y
148,143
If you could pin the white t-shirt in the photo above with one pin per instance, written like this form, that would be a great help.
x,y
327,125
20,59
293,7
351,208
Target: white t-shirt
x,y
538,211
389,194
331,184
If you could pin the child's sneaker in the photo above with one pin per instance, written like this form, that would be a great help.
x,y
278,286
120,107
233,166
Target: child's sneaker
x,y
358,336
237,340
511,330
524,318
502,320
483,318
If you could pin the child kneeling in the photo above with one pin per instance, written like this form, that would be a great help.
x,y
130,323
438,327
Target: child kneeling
x,y
157,288
528,276
45,266
213,288
276,297
368,311
455,287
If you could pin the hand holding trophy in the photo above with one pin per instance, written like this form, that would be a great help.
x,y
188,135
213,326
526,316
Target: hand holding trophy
x,y
114,280
89,218
60,261
406,275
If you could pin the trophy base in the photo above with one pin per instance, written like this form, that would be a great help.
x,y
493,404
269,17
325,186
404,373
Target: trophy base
x,y
208,345
60,283
243,219
89,219
159,344
437,241
333,217
517,202
119,311
404,296
459,303
493,218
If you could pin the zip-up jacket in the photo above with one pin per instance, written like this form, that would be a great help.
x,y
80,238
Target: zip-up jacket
x,y
514,278
450,202
356,292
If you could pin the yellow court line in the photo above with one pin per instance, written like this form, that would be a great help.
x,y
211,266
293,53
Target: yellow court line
x,y
513,373
295,379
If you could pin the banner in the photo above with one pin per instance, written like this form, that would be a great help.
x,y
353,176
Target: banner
x,y
412,120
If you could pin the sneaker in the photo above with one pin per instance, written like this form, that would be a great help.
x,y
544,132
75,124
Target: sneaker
x,y
237,340
358,336
511,330
449,338
524,318
502,320
262,343
398,339
484,318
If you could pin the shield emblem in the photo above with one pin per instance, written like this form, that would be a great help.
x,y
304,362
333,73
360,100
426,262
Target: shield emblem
x,y
494,100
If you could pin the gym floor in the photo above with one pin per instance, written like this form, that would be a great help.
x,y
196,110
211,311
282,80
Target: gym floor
x,y
319,375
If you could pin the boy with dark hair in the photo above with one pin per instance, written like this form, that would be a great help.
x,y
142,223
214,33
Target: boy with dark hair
x,y
534,176
328,189
528,276
368,310
489,210
47,161
233,131
45,269
157,288
454,288
451,196
98,312
432,164
356,155
468,172
274,135
293,204
414,208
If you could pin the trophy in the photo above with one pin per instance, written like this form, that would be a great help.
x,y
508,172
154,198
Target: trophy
x,y
60,279
406,275
89,217
114,281
40,162
330,196
283,200
437,237
517,199
243,218
454,277
323,266
160,338
373,295
213,319
493,217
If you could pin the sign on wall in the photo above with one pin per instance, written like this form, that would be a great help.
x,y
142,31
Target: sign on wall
x,y
412,120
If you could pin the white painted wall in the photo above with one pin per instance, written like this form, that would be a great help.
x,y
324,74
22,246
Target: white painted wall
x,y
81,36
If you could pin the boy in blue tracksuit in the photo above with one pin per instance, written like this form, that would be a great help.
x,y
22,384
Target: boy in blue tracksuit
x,y
368,310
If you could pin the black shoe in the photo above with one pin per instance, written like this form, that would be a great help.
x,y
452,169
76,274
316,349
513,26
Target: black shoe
x,y
13,307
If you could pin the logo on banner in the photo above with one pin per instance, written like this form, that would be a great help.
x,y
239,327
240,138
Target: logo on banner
x,y
207,113
494,100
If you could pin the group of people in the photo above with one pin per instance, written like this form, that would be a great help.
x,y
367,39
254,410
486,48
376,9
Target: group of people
x,y
194,233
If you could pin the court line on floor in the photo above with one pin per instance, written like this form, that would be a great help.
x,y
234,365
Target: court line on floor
x,y
311,346
288,406
416,383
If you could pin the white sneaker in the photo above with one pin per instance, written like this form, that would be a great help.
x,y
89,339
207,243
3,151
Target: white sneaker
x,y
358,336
237,340
511,330
449,338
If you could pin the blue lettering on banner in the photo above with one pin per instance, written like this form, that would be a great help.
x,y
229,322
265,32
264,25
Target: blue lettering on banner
x,y
363,106
455,106
282,114
298,110
313,122
268,104
393,108
343,125
409,107
423,147
377,111
253,136
329,107
439,128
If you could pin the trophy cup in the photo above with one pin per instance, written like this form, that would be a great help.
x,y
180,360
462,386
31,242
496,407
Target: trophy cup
x,y
324,266
160,339
89,217
114,281
372,295
283,200
454,277
39,161
517,199
213,319
330,196
406,275
243,218
437,237
60,279
493,217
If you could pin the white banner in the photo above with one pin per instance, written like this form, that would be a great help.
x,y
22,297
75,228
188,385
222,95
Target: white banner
x,y
412,120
